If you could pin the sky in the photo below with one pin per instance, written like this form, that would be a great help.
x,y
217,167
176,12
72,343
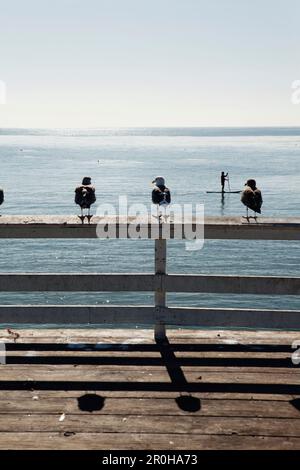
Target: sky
x,y
127,63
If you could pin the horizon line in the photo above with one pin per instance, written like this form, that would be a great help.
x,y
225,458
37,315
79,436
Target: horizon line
x,y
159,127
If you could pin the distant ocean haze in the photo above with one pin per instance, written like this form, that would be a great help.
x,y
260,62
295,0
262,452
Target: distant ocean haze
x,y
40,169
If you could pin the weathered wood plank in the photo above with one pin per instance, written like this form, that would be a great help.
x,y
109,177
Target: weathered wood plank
x,y
230,317
77,282
82,282
224,284
133,441
161,369
147,315
99,375
186,425
141,336
57,394
151,407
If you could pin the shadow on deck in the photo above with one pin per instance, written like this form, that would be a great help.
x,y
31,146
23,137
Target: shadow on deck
x,y
190,393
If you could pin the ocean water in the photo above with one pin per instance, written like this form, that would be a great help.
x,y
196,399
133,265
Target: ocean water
x,y
40,169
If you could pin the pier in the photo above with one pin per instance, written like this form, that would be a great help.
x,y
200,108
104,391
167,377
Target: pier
x,y
170,386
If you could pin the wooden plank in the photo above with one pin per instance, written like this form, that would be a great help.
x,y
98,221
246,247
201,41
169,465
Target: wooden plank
x,y
127,357
229,317
57,394
79,314
129,336
226,284
77,282
160,257
147,315
151,407
160,293
142,376
151,369
131,368
230,284
192,425
152,364
133,441
35,226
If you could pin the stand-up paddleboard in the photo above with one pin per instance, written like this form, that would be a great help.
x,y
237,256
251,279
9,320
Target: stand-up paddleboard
x,y
223,192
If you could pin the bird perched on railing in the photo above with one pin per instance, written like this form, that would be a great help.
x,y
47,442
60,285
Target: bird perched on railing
x,y
161,195
251,197
85,196
1,196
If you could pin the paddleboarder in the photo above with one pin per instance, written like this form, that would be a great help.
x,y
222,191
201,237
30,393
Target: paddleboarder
x,y
223,179
1,196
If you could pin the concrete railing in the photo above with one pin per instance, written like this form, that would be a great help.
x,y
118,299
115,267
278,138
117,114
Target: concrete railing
x,y
159,282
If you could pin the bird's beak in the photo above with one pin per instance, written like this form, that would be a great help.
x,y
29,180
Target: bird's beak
x,y
153,181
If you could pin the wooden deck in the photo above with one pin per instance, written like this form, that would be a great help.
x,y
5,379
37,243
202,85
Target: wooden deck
x,y
118,389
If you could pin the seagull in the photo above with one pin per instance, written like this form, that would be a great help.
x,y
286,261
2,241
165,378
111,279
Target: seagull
x,y
251,198
1,196
161,195
85,196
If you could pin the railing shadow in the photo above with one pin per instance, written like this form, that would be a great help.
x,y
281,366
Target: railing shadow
x,y
153,361
203,387
167,358
148,347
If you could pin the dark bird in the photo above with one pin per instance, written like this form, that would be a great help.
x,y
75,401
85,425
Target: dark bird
x,y
161,195
1,196
85,196
251,198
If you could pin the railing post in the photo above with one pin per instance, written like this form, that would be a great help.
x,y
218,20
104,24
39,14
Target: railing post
x,y
160,293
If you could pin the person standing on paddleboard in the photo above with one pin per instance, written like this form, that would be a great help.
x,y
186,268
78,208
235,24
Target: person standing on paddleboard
x,y
223,179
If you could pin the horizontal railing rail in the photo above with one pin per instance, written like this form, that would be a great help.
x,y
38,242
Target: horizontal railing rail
x,y
230,228
113,315
196,283
78,282
159,282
